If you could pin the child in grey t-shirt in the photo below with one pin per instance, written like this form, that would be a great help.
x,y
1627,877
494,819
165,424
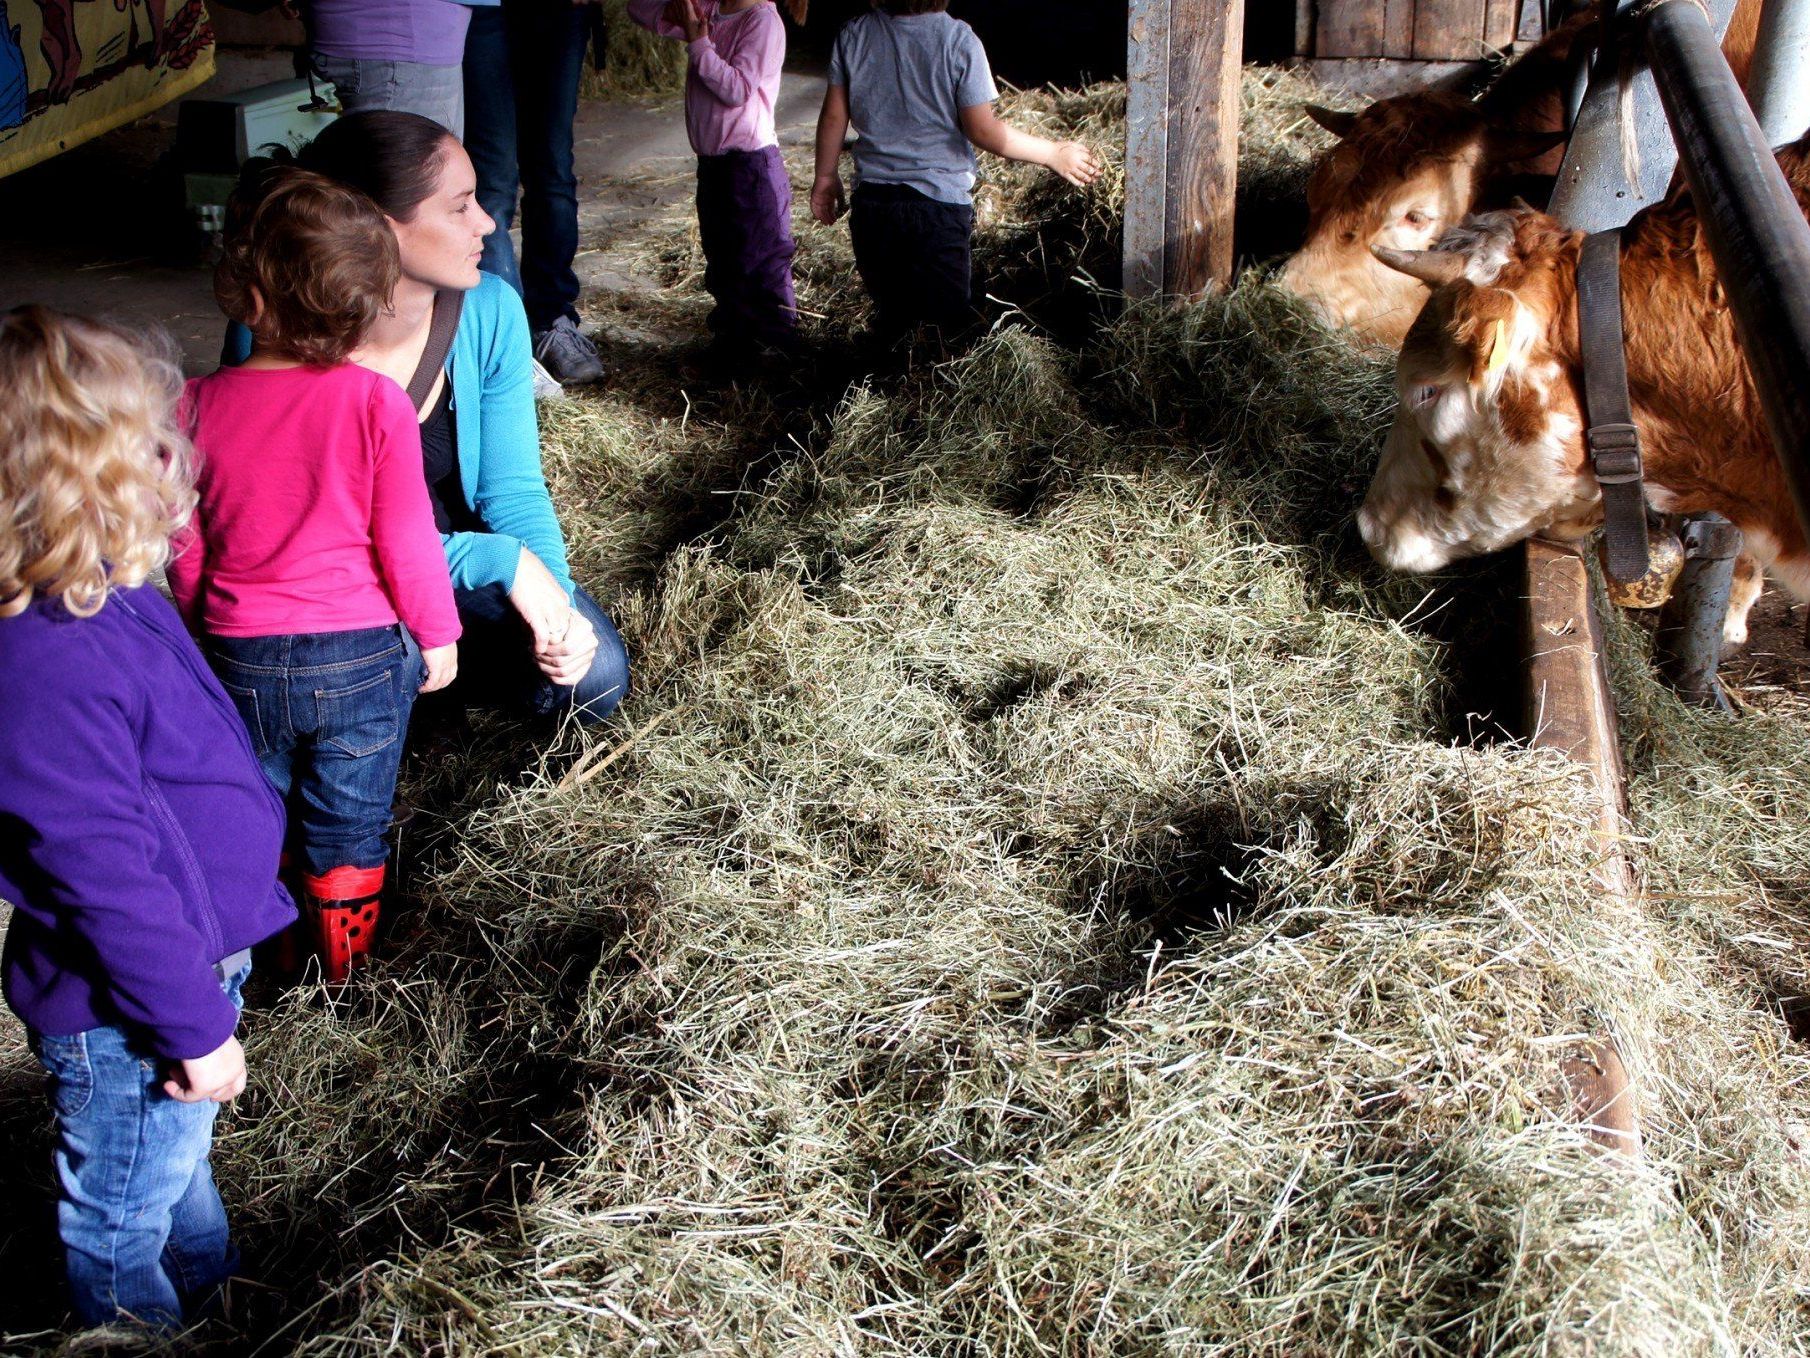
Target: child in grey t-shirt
x,y
916,85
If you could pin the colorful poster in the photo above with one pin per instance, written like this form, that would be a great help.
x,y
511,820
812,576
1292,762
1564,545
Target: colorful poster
x,y
73,69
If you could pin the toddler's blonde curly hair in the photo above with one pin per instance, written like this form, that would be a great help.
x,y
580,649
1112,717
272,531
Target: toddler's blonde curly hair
x,y
94,469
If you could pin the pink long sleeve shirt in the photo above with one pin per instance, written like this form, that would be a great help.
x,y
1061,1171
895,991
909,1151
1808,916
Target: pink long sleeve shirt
x,y
314,514
732,80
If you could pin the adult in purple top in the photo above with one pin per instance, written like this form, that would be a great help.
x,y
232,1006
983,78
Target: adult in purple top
x,y
396,54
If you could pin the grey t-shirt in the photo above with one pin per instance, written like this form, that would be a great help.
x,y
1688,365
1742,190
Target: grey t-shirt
x,y
908,78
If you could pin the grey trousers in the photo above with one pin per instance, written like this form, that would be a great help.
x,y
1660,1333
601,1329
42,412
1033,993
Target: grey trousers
x,y
436,92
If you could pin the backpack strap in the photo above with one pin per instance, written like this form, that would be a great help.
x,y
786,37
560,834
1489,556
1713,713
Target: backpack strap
x,y
449,304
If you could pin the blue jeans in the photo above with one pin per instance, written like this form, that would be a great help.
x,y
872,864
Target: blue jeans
x,y
496,659
435,92
144,1231
326,712
523,61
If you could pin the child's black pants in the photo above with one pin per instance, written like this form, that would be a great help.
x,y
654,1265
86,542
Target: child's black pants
x,y
915,255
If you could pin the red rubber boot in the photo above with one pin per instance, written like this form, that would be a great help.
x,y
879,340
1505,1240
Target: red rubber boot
x,y
342,908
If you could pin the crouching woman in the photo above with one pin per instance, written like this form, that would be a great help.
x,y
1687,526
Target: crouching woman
x,y
138,836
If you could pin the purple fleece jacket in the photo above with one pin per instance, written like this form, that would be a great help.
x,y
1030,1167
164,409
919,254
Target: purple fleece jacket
x,y
138,837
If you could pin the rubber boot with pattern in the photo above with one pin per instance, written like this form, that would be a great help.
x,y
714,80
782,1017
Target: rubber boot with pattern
x,y
342,906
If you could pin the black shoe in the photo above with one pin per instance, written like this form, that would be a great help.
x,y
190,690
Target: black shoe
x,y
567,354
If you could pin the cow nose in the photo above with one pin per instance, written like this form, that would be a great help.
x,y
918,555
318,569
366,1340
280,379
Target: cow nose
x,y
1368,527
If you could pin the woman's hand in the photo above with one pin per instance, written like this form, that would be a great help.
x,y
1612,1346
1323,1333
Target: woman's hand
x,y
693,20
568,659
565,643
540,600
442,664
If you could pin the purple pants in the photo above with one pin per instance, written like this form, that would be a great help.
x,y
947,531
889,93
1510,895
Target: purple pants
x,y
745,221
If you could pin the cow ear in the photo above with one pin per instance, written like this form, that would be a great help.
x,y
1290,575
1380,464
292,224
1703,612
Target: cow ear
x,y
1335,122
1525,145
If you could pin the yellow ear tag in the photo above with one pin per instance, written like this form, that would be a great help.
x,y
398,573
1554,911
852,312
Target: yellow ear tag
x,y
1498,354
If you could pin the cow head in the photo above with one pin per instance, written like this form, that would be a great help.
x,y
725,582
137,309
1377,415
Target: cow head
x,y
1405,170
1487,445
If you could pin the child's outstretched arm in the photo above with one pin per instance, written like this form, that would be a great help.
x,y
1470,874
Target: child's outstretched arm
x,y
827,199
1070,159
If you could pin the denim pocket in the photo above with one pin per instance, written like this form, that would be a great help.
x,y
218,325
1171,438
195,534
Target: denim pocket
x,y
362,719
246,700
71,1073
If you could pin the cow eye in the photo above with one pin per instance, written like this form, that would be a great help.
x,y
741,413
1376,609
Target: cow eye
x,y
1423,396
1348,237
1415,217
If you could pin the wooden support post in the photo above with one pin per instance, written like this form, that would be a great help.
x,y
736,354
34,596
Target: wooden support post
x,y
1181,154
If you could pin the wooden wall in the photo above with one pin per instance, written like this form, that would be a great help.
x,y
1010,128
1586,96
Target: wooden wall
x,y
1404,30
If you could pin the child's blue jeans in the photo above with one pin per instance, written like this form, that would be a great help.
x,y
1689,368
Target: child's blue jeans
x,y
327,712
144,1231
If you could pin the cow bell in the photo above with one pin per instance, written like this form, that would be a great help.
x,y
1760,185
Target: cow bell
x,y
1665,560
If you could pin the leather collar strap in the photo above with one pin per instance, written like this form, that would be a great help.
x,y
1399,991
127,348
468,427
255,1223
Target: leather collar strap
x,y
1613,440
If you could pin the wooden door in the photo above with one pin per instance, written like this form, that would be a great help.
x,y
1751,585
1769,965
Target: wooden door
x,y
1412,30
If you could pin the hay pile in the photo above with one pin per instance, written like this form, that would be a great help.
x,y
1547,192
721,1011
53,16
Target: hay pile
x,y
1034,905
636,65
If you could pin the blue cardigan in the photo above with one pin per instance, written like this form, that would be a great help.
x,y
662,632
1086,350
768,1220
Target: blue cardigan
x,y
492,367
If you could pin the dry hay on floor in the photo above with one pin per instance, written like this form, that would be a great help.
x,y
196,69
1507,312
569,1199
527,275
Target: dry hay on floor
x,y
1033,906
637,64
1034,910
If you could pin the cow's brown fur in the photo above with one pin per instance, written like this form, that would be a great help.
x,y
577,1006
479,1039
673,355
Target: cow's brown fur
x,y
1513,462
1442,156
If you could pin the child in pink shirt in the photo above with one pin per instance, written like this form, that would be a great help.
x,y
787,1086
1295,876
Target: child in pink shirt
x,y
313,547
735,50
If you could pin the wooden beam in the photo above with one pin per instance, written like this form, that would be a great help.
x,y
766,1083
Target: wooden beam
x,y
1569,708
1181,155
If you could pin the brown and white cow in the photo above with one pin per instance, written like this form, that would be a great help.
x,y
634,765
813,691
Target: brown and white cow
x,y
1487,446
1409,168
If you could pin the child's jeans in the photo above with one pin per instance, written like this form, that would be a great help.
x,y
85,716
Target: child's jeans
x,y
326,712
144,1231
745,226
915,255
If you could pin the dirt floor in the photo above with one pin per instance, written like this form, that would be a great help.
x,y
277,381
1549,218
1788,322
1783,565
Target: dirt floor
x,y
71,238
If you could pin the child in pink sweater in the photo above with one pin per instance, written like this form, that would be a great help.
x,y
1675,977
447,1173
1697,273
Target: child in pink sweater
x,y
313,547
735,49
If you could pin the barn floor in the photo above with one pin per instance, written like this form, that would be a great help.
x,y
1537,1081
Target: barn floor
x,y
1043,896
71,238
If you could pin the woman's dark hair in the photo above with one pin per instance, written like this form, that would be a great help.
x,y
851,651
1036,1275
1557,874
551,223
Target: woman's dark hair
x,y
393,158
308,264
903,7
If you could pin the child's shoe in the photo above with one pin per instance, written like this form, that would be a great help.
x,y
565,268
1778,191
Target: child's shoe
x,y
342,909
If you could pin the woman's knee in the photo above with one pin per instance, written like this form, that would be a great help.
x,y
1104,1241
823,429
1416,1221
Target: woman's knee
x,y
606,683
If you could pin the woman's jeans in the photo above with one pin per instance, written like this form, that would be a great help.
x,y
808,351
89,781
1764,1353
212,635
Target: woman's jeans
x,y
523,63
143,1228
436,92
496,660
326,712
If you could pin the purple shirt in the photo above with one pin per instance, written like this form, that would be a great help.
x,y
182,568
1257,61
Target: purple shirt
x,y
431,32
138,837
732,81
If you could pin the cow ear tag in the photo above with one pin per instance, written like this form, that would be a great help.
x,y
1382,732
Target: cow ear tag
x,y
1498,354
